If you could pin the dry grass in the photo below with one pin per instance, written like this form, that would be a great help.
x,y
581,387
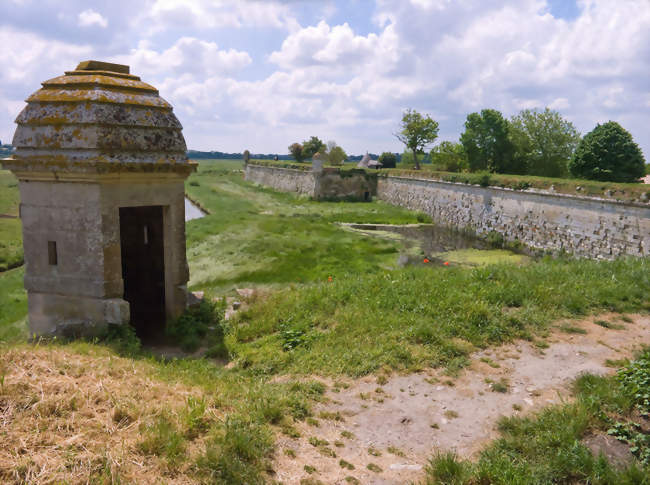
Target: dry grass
x,y
70,418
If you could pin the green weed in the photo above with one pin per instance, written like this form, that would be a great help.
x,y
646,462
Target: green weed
x,y
609,325
161,438
201,323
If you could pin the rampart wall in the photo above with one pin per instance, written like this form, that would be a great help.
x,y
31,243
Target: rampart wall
x,y
583,226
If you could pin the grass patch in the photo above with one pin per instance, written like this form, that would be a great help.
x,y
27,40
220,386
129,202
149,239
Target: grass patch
x,y
13,306
11,237
548,448
502,386
374,468
479,257
161,438
258,237
609,325
200,324
490,362
568,328
412,318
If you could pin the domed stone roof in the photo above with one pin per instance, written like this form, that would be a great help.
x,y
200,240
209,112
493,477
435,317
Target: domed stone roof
x,y
98,113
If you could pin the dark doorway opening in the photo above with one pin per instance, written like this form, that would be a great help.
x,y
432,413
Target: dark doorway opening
x,y
143,269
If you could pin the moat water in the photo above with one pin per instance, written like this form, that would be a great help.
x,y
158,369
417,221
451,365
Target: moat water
x,y
192,211
433,245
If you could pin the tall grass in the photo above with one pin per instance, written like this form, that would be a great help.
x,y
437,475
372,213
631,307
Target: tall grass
x,y
417,317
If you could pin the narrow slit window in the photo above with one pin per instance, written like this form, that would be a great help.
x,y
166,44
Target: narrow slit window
x,y
146,235
52,256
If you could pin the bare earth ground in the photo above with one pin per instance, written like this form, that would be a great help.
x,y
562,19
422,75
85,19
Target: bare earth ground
x,y
416,415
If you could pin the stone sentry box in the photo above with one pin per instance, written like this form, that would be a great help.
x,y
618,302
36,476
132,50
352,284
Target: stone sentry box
x,y
101,163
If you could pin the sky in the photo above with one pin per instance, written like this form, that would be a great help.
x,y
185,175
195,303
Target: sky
x,y
260,75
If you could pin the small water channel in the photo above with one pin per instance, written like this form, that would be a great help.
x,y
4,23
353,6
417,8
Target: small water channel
x,y
192,211
438,245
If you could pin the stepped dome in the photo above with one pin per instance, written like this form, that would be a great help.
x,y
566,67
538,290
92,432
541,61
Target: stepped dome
x,y
98,113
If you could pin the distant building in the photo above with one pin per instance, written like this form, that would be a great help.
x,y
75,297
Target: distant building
x,y
367,162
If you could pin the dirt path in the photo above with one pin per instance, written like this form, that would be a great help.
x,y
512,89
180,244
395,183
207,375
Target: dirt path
x,y
416,415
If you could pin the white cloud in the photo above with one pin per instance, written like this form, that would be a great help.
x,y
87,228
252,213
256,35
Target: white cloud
x,y
207,14
337,47
188,56
89,17
559,104
273,81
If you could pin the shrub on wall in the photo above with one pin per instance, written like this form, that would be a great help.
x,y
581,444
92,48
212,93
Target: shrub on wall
x,y
449,157
544,141
608,153
487,143
388,160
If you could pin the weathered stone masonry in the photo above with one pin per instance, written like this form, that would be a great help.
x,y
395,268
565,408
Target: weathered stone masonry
x,y
584,226
283,179
329,183
101,163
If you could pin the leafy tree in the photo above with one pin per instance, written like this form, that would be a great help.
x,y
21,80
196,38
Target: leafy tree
x,y
544,142
388,160
407,161
335,154
312,146
608,153
417,132
487,144
449,157
296,151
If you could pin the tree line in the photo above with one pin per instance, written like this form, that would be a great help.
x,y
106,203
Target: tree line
x,y
532,142
329,152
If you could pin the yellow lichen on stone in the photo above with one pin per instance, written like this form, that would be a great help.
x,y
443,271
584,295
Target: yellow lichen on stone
x,y
100,114
102,66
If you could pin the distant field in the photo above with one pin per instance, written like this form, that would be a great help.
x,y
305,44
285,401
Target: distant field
x,y
11,240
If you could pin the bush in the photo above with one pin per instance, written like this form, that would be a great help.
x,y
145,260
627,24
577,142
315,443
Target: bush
x,y
608,153
449,157
196,324
406,160
388,160
487,144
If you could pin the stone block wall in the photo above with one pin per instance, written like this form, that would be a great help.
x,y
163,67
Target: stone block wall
x,y
328,183
333,183
579,225
584,226
283,179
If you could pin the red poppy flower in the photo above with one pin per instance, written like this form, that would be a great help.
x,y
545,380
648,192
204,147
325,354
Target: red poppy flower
x,y
446,263
426,260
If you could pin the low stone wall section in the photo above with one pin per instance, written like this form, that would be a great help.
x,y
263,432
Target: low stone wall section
x,y
329,183
282,179
333,184
584,226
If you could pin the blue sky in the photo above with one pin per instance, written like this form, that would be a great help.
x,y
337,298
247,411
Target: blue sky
x,y
259,75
